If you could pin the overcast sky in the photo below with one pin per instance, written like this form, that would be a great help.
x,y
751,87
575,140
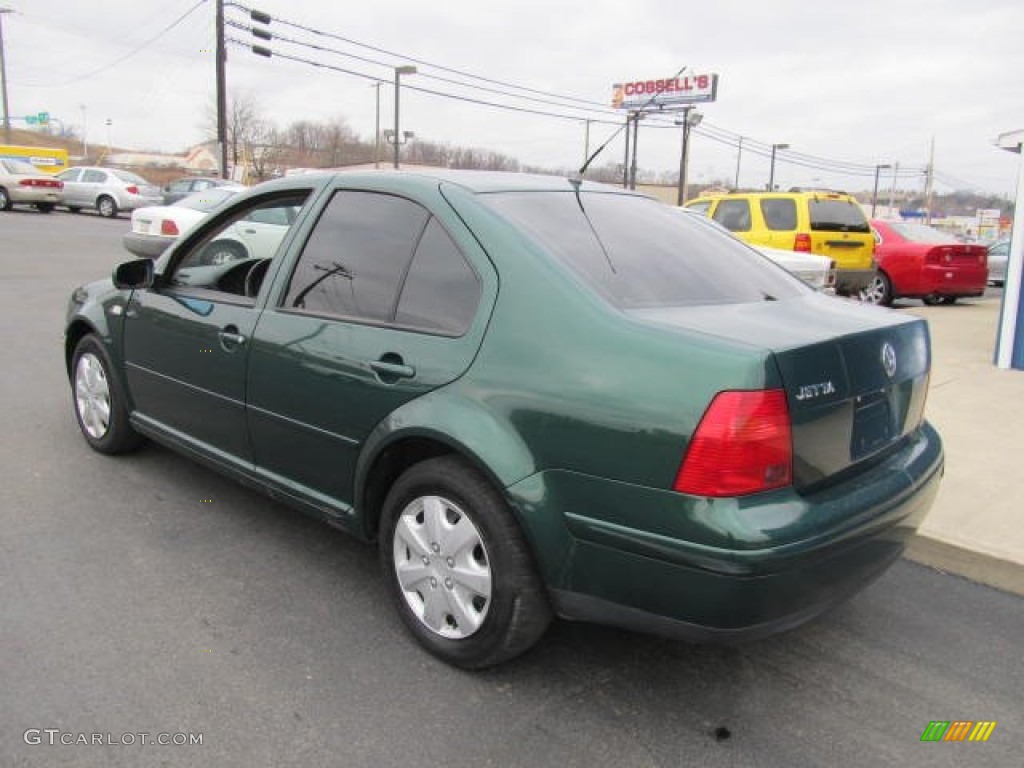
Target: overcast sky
x,y
847,85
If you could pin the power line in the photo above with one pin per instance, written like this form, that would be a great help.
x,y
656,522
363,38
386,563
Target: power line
x,y
126,56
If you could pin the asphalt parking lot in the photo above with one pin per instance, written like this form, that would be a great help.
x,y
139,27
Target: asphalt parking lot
x,y
148,595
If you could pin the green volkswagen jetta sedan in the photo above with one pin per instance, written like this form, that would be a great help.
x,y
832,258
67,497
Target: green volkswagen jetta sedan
x,y
540,397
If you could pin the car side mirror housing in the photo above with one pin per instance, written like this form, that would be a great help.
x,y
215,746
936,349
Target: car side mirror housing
x,y
131,275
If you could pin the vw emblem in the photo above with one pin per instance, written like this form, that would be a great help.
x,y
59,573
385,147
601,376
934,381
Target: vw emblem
x,y
889,359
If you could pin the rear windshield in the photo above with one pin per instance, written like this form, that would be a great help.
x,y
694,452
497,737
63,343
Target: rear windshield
x,y
838,216
638,253
919,233
130,177
207,199
20,167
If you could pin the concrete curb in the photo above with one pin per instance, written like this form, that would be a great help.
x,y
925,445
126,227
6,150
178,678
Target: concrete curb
x,y
976,566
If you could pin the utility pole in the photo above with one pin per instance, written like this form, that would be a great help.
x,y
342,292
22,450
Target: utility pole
x,y
929,180
376,130
739,154
222,96
892,189
3,78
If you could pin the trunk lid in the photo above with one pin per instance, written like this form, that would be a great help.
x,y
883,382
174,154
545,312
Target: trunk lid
x,y
855,376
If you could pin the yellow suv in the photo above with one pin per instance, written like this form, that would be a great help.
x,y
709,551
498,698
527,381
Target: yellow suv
x,y
827,223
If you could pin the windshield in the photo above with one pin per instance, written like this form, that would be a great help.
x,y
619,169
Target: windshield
x,y
207,199
838,216
639,253
919,233
20,167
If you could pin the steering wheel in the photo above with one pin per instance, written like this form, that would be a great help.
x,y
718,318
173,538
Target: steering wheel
x,y
254,277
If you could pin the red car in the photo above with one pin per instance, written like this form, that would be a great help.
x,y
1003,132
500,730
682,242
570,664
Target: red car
x,y
917,261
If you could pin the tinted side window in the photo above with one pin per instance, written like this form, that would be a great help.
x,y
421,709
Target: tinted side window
x,y
94,177
357,256
779,215
69,175
734,215
441,292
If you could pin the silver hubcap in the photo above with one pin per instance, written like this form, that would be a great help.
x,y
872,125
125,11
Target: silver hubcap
x,y
106,207
875,291
92,396
442,567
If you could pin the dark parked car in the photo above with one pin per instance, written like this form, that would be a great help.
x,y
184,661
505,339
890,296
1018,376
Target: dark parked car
x,y
918,261
179,188
539,397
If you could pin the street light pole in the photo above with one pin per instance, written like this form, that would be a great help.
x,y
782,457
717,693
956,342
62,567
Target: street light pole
x,y
405,69
771,173
874,192
3,78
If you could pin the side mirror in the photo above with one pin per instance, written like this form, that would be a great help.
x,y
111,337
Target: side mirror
x,y
131,275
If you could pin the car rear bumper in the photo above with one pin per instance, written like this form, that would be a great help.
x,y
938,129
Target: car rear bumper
x,y
147,246
767,581
852,281
34,195
952,281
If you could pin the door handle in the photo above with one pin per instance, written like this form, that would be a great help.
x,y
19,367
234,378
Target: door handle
x,y
390,368
230,338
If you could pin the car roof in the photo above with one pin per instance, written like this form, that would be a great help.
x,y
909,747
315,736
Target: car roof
x,y
473,181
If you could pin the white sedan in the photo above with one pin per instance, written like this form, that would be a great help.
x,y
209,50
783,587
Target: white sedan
x,y
155,227
819,272
23,184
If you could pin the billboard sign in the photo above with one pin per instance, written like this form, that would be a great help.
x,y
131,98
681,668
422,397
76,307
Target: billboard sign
x,y
665,92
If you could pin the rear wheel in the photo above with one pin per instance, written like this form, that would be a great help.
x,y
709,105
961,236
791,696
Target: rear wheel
x,y
932,300
99,403
949,299
458,567
878,291
5,200
106,207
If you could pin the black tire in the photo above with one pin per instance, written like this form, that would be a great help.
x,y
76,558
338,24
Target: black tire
x,y
5,200
878,291
74,209
949,299
932,300
516,612
106,207
118,435
222,252
45,207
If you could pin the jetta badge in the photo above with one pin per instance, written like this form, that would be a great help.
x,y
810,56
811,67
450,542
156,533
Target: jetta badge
x,y
889,359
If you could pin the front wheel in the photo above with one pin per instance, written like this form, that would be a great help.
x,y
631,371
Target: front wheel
x,y
458,567
99,403
878,291
107,207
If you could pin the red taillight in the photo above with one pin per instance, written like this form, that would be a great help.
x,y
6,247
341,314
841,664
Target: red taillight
x,y
743,444
802,243
132,190
168,227
938,255
55,183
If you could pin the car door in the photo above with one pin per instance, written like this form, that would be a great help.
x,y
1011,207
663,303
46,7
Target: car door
x,y
380,307
72,192
92,182
187,340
